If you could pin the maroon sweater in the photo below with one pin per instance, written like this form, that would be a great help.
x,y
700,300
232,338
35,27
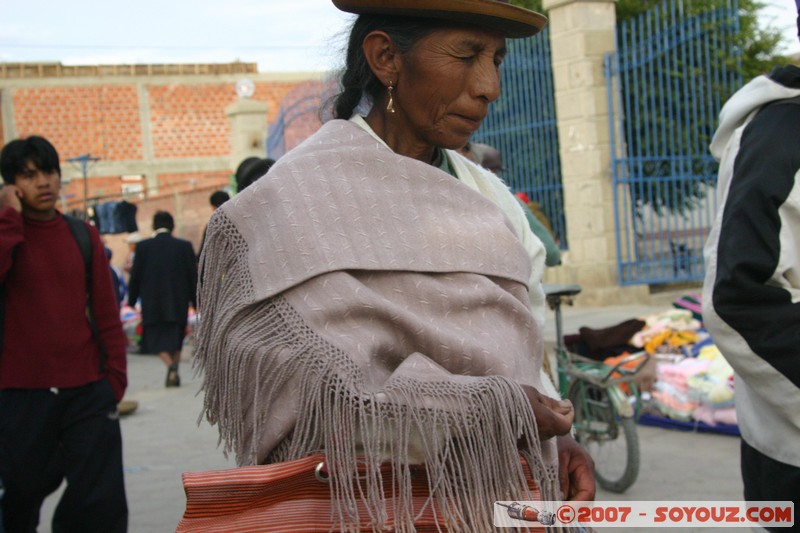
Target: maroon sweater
x,y
47,338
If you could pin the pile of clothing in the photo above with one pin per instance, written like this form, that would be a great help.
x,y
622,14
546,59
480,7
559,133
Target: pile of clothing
x,y
694,381
687,379
114,217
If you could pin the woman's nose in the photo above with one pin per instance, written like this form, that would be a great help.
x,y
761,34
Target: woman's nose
x,y
486,83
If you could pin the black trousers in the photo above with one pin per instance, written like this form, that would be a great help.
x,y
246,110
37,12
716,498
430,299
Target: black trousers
x,y
766,479
47,435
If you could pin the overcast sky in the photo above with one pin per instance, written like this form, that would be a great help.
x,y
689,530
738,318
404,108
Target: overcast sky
x,y
279,35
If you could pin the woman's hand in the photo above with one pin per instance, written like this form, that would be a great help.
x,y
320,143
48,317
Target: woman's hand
x,y
553,417
575,470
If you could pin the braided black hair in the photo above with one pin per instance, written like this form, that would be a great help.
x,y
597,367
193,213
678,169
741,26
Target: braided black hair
x,y
358,80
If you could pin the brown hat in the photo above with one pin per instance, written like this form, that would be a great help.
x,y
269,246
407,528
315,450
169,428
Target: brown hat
x,y
500,15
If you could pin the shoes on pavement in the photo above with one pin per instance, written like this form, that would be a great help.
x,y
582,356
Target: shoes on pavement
x,y
173,379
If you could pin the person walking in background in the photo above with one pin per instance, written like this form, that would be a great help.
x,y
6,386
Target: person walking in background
x,y
61,375
250,169
117,279
750,302
216,199
164,277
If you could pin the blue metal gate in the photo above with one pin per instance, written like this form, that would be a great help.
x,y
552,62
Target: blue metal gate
x,y
674,67
522,126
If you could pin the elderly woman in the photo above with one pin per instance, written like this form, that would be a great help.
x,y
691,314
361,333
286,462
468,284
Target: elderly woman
x,y
370,297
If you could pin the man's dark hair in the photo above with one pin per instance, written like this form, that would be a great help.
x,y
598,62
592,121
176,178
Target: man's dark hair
x,y
218,198
250,170
163,219
35,149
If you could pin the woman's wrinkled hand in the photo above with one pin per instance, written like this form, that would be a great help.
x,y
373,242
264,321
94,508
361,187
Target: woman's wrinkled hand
x,y
575,471
553,417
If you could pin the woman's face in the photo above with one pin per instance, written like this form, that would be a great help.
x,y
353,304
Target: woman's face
x,y
445,85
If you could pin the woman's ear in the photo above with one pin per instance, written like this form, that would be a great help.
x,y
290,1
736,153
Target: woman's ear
x,y
382,56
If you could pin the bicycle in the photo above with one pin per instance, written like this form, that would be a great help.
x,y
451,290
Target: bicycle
x,y
606,402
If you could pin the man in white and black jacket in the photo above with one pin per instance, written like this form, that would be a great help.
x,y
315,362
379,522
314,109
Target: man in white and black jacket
x,y
751,294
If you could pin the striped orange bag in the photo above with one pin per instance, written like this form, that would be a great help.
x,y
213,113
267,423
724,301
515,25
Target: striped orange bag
x,y
284,497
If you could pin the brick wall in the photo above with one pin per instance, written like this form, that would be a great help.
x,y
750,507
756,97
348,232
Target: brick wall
x,y
187,181
97,110
185,120
110,187
184,143
190,120
98,186
100,120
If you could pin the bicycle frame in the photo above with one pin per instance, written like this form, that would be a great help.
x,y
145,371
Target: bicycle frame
x,y
572,366
605,399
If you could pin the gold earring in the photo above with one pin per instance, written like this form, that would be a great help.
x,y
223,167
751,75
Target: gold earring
x,y
390,105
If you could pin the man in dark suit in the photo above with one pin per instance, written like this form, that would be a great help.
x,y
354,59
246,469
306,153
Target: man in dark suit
x,y
164,276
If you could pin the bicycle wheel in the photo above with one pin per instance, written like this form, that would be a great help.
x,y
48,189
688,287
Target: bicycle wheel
x,y
610,439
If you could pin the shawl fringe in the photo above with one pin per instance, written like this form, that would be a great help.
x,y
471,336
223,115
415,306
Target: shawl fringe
x,y
468,431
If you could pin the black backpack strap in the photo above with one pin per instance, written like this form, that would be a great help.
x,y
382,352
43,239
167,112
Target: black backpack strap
x,y
2,315
3,307
81,234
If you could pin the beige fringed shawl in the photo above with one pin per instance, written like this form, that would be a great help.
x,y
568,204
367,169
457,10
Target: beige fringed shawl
x,y
371,306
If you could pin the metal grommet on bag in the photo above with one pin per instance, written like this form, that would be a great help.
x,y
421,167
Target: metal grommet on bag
x,y
321,473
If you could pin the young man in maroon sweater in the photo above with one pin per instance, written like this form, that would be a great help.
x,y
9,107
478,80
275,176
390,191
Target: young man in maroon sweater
x,y
58,392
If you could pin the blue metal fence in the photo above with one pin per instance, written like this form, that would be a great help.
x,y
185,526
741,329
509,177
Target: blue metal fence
x,y
674,67
522,126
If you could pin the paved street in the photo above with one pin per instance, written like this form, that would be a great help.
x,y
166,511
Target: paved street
x,y
162,439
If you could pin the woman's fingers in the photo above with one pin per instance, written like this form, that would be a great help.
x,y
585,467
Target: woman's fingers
x,y
553,417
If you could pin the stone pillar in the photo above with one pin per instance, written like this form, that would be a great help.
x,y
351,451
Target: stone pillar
x,y
581,32
7,127
145,119
248,120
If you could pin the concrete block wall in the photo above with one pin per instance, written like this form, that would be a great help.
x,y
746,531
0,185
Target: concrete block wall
x,y
581,33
